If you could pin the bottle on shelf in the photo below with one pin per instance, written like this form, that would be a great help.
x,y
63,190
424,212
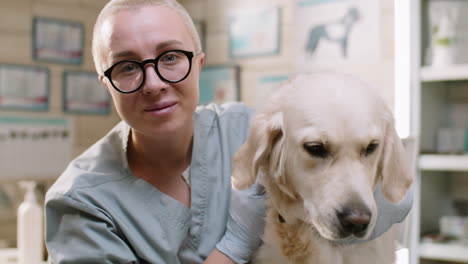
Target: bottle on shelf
x,y
30,227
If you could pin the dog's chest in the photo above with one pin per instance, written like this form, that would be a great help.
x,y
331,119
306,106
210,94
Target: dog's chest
x,y
301,245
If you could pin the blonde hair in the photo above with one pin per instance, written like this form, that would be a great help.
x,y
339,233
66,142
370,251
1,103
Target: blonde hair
x,y
114,6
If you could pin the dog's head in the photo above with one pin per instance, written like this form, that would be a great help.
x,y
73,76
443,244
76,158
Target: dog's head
x,y
324,141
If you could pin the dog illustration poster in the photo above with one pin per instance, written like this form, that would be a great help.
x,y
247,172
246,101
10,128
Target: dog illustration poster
x,y
254,33
337,31
219,84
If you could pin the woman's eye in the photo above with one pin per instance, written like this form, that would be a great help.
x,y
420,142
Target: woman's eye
x,y
316,150
169,58
130,67
371,148
126,68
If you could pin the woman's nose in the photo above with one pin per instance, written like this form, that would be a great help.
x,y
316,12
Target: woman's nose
x,y
153,84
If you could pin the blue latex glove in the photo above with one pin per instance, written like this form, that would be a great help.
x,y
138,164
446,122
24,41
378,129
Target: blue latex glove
x,y
245,224
389,214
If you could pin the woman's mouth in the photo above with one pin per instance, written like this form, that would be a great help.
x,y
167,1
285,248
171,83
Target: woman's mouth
x,y
161,108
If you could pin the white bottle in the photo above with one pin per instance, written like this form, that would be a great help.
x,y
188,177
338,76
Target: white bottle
x,y
30,226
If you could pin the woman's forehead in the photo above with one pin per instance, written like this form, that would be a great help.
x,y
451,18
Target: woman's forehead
x,y
147,26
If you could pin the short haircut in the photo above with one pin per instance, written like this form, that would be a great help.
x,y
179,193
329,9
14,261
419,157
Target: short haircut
x,y
115,6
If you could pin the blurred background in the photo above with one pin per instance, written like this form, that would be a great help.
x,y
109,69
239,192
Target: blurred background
x,y
413,52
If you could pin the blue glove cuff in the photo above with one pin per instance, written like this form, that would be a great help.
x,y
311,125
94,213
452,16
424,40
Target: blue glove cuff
x,y
245,224
389,214
234,252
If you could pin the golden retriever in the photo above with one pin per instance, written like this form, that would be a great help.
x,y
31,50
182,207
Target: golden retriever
x,y
320,146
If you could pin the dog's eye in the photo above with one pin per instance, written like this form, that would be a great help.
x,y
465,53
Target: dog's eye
x,y
316,149
371,148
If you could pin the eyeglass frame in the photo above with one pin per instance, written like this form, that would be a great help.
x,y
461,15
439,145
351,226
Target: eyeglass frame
x,y
155,61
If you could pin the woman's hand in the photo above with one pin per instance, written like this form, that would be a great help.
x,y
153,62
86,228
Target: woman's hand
x,y
245,224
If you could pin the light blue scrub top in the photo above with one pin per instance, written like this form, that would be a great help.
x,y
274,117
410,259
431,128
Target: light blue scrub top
x,y
99,212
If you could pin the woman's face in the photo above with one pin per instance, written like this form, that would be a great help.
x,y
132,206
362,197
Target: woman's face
x,y
158,108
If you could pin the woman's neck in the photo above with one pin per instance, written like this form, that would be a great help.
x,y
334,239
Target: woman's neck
x,y
161,162
163,156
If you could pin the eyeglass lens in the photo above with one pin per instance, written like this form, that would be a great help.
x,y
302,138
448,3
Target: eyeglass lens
x,y
172,66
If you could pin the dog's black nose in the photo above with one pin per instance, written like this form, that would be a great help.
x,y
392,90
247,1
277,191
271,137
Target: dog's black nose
x,y
354,220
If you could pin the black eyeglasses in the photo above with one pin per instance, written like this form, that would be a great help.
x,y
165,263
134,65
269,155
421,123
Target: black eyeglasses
x,y
172,66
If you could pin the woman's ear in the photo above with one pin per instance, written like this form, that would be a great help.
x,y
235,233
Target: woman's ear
x,y
394,166
201,61
103,80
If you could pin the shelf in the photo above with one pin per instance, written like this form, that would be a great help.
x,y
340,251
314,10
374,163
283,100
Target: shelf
x,y
435,162
451,73
445,252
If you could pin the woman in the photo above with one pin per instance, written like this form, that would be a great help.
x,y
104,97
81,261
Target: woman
x,y
156,188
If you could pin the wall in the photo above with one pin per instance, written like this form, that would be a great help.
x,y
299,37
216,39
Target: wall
x,y
16,48
16,18
215,14
15,33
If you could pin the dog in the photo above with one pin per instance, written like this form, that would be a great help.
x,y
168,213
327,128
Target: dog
x,y
321,145
335,32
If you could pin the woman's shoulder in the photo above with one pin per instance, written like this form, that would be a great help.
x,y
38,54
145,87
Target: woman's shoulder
x,y
103,162
226,111
230,121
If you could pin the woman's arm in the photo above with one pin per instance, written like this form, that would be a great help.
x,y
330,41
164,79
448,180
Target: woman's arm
x,y
217,257
77,233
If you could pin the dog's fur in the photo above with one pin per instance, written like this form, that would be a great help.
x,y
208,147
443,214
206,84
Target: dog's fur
x,y
320,146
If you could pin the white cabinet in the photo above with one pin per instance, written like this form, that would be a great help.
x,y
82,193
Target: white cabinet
x,y
442,177
440,99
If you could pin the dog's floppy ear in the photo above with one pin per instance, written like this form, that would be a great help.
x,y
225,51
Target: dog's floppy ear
x,y
265,131
395,173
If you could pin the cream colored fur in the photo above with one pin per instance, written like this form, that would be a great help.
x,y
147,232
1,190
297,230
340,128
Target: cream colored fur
x,y
342,115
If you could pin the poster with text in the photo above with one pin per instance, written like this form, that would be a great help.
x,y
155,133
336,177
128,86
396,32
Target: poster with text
x,y
57,40
24,87
84,94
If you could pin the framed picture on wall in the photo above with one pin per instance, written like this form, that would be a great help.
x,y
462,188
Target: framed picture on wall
x,y
84,94
57,40
254,33
329,32
24,87
219,84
